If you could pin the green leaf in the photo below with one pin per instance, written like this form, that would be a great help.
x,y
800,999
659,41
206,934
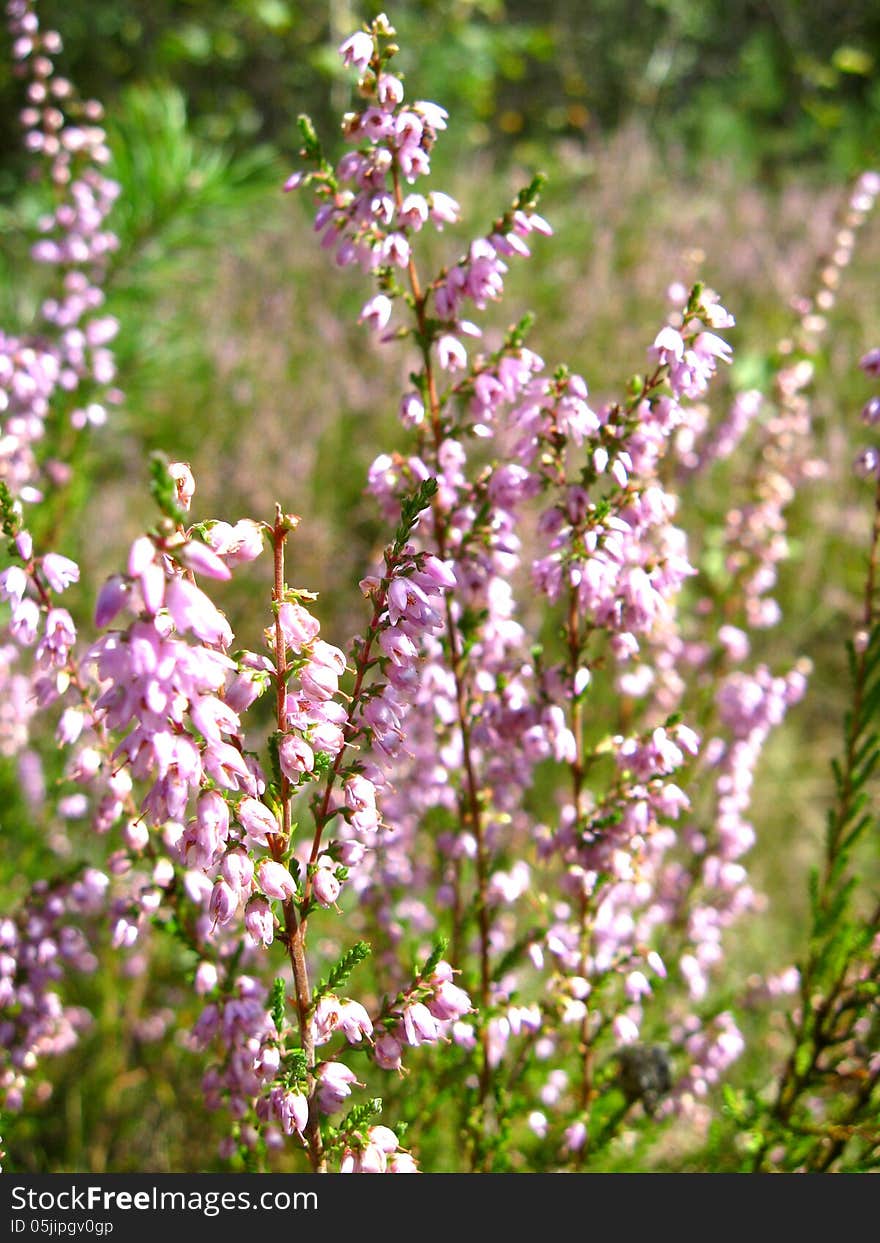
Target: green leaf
x,y
343,969
278,1003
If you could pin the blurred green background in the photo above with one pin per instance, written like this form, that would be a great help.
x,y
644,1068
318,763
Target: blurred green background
x,y
680,138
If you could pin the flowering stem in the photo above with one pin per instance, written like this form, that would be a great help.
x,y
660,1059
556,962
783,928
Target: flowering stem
x,y
279,844
323,814
578,769
472,796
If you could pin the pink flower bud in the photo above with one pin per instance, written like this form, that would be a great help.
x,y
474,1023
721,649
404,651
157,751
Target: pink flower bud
x,y
201,559
334,1086
237,869
256,819
292,1110
295,756
111,599
419,1025
325,885
275,880
223,904
449,1002
388,1052
142,554
267,1063
259,922
355,1022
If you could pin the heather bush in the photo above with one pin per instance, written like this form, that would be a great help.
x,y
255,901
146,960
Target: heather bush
x,y
464,891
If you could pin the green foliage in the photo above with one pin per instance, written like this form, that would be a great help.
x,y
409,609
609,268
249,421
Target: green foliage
x,y
339,974
278,1003
411,507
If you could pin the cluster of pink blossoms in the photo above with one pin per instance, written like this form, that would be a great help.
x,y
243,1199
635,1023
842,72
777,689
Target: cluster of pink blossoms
x,y
647,877
61,365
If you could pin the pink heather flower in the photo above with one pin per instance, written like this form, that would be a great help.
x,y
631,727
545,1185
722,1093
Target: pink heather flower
x,y
327,1017
201,559
237,869
433,115
360,799
59,638
186,485
668,346
625,1030
389,90
327,656
419,1025
191,610
443,209
636,986
292,1110
438,572
376,313
325,885
267,1063
451,354
224,903
449,1002
241,543
708,345
656,963
870,362
388,1052
334,1086
256,819
357,51
259,922
355,1022
298,626
13,582
414,211
319,681
275,880
396,249
111,599
25,621
412,410
141,555
60,571
295,756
